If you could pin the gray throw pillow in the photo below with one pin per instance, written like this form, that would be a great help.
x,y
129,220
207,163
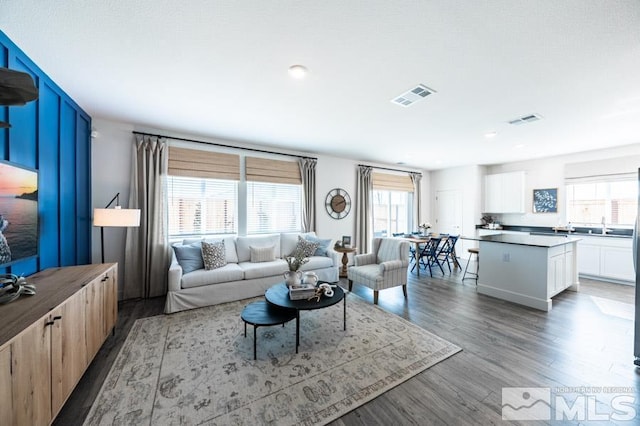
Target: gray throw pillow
x,y
189,257
213,255
304,248
323,245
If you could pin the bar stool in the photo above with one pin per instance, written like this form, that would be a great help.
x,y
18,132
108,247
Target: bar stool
x,y
473,275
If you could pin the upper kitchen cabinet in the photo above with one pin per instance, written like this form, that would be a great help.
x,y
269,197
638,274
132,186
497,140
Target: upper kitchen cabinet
x,y
504,193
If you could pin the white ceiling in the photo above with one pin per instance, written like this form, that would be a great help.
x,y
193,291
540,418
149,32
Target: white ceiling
x,y
219,69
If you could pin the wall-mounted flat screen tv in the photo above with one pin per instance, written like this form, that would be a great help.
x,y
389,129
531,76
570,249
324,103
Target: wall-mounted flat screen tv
x,y
18,213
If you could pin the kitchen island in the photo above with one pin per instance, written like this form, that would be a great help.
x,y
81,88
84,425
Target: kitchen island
x,y
527,269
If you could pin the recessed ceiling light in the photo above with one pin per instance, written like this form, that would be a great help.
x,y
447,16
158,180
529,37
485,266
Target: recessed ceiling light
x,y
519,146
298,71
490,135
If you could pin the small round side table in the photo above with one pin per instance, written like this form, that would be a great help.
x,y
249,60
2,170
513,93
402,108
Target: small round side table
x,y
345,258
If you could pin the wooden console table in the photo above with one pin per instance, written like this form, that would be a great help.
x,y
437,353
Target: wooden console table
x,y
48,340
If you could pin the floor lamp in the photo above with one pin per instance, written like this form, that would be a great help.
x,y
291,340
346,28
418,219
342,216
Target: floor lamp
x,y
114,217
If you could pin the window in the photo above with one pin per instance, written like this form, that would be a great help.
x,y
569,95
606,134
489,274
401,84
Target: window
x,y
615,201
392,212
273,207
200,206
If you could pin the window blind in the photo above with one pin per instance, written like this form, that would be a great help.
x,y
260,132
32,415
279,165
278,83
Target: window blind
x,y
273,207
275,171
606,170
201,206
203,164
391,182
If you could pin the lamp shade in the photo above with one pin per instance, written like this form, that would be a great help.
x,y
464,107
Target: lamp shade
x,y
116,217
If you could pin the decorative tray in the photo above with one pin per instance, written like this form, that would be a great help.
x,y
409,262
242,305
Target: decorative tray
x,y
298,292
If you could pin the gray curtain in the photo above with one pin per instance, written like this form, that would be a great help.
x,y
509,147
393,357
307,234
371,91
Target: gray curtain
x,y
364,216
146,253
417,213
308,174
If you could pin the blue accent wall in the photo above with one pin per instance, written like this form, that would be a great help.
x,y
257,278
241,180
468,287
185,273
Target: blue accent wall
x,y
53,135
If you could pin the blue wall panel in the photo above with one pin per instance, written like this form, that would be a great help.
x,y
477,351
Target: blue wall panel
x,y
51,134
4,111
83,191
68,185
49,102
23,142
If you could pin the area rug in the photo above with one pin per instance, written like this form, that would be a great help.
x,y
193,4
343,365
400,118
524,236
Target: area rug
x,y
196,367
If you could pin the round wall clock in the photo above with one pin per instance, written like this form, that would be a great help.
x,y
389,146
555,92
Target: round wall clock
x,y
338,203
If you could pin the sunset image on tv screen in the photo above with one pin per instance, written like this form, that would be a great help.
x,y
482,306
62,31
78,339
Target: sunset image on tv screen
x,y
18,213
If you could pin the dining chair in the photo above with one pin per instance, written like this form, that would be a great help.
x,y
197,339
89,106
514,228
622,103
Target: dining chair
x,y
428,256
447,252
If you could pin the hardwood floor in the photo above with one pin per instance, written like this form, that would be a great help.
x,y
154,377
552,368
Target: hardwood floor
x,y
585,341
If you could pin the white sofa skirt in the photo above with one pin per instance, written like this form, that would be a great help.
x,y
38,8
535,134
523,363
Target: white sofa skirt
x,y
214,294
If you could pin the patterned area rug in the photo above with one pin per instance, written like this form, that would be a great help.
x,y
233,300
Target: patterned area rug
x,y
196,367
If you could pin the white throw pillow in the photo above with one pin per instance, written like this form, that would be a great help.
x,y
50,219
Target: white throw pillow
x,y
262,254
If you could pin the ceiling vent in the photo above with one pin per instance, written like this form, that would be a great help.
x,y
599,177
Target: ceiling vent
x,y
529,118
412,96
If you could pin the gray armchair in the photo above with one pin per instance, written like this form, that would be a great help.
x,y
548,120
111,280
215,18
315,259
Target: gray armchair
x,y
385,267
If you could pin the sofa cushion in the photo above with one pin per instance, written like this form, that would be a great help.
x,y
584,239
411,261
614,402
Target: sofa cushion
x,y
289,240
229,245
263,269
213,255
304,248
317,262
262,254
229,272
189,256
243,245
323,245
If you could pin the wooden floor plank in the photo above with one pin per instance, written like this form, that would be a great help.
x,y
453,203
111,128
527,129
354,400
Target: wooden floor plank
x,y
504,345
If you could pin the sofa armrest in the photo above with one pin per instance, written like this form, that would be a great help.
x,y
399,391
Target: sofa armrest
x,y
364,259
175,274
335,257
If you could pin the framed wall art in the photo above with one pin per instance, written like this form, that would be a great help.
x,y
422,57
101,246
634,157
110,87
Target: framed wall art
x,y
545,200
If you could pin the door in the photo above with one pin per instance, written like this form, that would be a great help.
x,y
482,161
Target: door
x,y
449,212
68,349
31,374
94,317
6,394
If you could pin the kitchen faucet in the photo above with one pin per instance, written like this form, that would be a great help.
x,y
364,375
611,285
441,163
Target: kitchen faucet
x,y
604,226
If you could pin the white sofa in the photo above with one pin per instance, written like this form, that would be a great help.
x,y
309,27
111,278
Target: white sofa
x,y
240,278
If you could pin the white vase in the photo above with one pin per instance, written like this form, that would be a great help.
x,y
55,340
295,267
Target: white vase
x,y
292,278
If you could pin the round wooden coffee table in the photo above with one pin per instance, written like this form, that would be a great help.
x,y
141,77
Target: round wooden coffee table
x,y
262,313
278,295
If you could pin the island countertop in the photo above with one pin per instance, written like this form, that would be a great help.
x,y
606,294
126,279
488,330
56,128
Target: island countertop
x,y
524,240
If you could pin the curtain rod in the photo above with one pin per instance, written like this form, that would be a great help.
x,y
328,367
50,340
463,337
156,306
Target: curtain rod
x,y
264,151
386,168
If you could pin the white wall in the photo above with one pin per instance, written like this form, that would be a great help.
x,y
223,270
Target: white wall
x,y
467,181
549,173
110,174
111,169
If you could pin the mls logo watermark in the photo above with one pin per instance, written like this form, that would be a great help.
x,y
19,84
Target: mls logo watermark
x,y
569,403
526,403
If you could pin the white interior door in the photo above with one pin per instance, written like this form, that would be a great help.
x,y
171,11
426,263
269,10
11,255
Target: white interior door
x,y
449,212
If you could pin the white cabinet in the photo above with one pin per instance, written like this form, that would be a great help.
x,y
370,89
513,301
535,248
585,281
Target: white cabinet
x,y
504,193
606,257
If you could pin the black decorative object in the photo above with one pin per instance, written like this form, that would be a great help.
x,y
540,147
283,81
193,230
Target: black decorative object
x,y
545,200
16,88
